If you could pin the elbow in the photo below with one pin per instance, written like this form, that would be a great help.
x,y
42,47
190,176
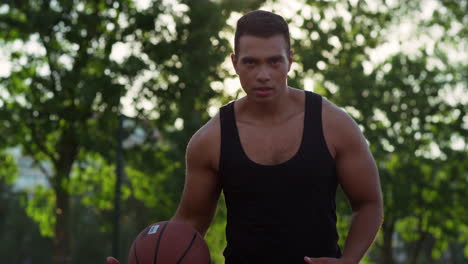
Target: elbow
x,y
377,210
379,216
372,208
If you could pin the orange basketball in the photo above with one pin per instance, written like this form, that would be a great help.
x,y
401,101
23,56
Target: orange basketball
x,y
169,243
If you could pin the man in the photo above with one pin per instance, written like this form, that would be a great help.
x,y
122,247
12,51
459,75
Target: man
x,y
278,155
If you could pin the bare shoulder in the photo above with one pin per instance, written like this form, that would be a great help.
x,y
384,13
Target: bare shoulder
x,y
206,141
340,130
202,188
356,169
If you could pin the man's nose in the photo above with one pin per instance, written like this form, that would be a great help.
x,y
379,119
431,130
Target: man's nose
x,y
263,75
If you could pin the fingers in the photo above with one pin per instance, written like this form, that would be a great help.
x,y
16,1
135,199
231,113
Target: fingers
x,y
112,260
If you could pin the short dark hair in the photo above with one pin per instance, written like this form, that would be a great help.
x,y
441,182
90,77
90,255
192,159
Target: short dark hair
x,y
263,24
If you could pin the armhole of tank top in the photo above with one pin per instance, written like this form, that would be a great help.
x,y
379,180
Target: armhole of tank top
x,y
222,113
322,129
322,138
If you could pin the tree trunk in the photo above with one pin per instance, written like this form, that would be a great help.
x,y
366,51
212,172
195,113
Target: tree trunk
x,y
61,249
67,151
416,247
387,247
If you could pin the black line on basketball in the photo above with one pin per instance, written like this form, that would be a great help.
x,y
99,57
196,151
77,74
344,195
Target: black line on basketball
x,y
135,253
157,244
188,248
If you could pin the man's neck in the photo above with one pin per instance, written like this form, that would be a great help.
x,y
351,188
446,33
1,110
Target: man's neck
x,y
269,112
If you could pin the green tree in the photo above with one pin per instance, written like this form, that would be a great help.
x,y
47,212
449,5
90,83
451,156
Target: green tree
x,y
60,103
19,236
63,97
400,107
8,173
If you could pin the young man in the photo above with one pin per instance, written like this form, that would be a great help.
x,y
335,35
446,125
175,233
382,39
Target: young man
x,y
278,155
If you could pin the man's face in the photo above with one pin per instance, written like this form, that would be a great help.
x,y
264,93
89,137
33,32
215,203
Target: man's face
x,y
262,65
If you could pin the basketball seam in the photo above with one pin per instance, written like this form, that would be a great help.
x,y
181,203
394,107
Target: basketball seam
x,y
135,252
157,244
188,248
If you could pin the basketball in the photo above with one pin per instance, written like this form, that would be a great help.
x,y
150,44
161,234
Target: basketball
x,y
169,243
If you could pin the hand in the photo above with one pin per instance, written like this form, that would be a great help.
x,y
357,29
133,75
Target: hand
x,y
112,260
328,261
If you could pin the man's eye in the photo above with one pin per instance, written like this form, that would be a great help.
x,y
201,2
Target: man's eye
x,y
274,61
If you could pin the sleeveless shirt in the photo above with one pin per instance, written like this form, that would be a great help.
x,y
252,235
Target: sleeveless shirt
x,y
279,213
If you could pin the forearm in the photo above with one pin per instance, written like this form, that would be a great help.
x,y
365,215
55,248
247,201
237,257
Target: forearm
x,y
365,224
201,226
200,220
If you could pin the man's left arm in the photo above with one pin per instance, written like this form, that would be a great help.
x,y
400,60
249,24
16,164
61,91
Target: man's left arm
x,y
359,179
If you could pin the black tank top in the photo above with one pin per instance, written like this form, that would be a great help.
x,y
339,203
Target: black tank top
x,y
279,213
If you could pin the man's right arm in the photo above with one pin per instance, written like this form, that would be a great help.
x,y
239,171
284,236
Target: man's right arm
x,y
202,186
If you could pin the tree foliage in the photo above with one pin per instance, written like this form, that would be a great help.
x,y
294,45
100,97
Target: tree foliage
x,y
402,107
61,101
61,97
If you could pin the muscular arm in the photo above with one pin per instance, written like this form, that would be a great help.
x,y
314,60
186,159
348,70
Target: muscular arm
x,y
359,179
202,188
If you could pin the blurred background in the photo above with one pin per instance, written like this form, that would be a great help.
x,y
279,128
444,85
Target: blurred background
x,y
98,99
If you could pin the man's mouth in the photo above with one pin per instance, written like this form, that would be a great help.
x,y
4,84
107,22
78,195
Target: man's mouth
x,y
263,91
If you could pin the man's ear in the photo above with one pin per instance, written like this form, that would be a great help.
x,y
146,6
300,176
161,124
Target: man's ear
x,y
234,61
290,58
